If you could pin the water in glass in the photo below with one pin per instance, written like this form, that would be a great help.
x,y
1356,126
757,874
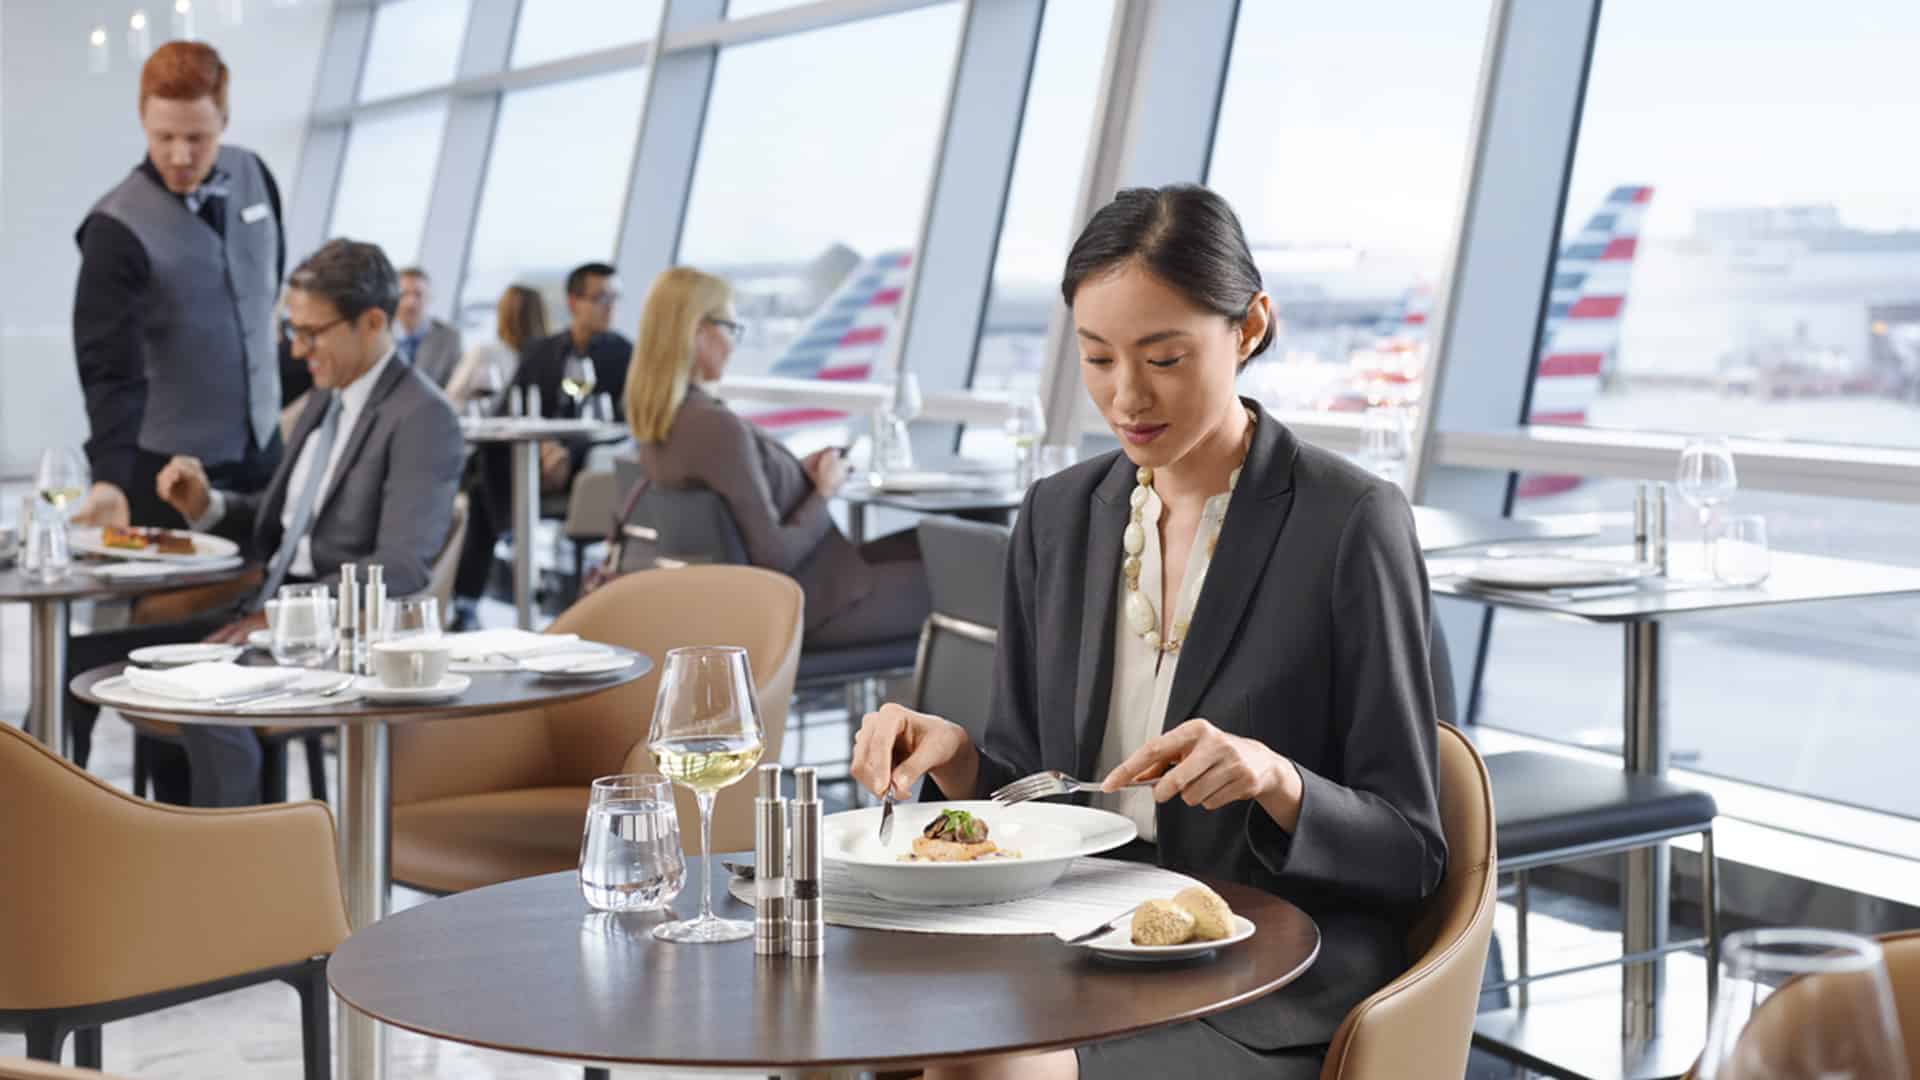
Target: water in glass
x,y
411,616
303,632
630,850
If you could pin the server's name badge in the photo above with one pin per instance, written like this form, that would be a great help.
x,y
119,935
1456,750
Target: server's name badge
x,y
256,212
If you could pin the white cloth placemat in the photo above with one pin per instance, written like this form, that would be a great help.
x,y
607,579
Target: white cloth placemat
x,y
1091,892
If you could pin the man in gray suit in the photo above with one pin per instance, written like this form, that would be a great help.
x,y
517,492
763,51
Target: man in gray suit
x,y
430,345
369,477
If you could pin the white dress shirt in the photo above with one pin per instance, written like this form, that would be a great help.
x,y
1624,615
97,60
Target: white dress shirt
x,y
353,402
1143,677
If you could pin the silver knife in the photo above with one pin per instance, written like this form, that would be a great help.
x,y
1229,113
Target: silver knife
x,y
1104,928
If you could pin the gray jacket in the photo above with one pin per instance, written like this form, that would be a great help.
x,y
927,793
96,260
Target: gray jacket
x,y
439,352
1310,635
391,497
782,519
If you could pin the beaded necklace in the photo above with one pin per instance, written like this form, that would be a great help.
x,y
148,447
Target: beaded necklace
x,y
1142,619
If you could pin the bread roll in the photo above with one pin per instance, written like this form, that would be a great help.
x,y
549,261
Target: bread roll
x,y
1212,918
1162,922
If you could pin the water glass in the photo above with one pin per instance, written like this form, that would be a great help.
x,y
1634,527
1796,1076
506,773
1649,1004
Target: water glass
x,y
630,849
411,616
45,554
1802,1004
1385,443
1740,553
303,632
1055,458
892,447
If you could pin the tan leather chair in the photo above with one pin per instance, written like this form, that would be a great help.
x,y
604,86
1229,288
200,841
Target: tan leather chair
x,y
447,563
1421,1023
496,798
113,906
1779,1024
23,1069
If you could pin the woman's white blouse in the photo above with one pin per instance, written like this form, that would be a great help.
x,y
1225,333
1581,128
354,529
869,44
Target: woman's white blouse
x,y
1143,677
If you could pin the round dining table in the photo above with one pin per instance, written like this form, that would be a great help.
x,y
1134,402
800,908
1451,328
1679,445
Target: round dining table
x,y
50,604
527,967
364,808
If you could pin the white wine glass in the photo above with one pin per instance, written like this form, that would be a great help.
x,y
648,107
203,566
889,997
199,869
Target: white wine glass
x,y
1706,479
577,382
1802,1004
61,479
705,735
1026,424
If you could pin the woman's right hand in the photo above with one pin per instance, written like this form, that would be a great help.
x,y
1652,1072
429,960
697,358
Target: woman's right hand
x,y
897,746
827,469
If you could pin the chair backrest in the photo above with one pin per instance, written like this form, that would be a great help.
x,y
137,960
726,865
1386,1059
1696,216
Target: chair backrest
x,y
1421,1023
568,745
691,525
1779,1025
1440,660
446,564
23,1069
953,675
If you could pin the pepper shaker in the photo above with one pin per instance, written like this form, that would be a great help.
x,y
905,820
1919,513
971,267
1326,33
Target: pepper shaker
x,y
770,865
1659,539
805,928
373,622
1640,522
347,620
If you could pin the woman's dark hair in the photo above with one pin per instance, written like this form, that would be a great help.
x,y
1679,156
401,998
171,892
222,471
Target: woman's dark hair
x,y
353,276
1183,234
520,318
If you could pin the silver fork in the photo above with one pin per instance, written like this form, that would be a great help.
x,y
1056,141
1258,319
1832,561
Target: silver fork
x,y
1049,782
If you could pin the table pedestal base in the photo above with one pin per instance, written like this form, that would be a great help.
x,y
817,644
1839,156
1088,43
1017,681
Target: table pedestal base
x,y
47,712
366,871
526,524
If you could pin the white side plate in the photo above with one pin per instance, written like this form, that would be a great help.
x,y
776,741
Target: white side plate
x,y
1119,945
176,655
452,686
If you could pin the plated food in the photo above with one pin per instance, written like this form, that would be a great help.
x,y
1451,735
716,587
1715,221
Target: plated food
x,y
137,538
1195,913
956,836
1032,845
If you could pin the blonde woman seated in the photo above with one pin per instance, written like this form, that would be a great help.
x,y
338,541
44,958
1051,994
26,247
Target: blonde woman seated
x,y
690,439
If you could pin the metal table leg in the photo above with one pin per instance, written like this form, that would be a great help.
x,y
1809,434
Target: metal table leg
x,y
856,521
366,871
1644,888
47,712
526,522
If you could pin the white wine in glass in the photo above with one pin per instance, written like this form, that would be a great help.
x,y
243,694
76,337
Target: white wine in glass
x,y
705,735
577,382
62,478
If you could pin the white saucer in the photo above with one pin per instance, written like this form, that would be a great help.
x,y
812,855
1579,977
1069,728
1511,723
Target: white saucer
x,y
1119,945
569,666
371,689
178,655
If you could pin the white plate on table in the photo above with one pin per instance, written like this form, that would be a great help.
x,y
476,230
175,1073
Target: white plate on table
x,y
1553,573
178,655
206,548
1048,836
902,483
371,689
571,666
1118,945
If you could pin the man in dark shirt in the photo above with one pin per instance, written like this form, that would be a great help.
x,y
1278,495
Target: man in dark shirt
x,y
173,312
591,292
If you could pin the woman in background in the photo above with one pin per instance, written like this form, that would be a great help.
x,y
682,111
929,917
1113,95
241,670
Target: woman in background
x,y
519,318
690,439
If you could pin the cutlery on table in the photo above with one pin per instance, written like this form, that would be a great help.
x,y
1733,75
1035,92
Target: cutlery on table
x,y
325,692
1050,782
886,814
739,870
1102,930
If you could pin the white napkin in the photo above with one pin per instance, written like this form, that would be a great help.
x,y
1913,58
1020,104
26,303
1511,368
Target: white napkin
x,y
559,663
211,680
131,570
485,644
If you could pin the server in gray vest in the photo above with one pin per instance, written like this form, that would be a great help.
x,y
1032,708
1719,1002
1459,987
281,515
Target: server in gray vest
x,y
173,315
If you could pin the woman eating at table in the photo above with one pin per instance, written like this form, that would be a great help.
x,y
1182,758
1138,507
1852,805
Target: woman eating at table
x,y
689,439
1222,607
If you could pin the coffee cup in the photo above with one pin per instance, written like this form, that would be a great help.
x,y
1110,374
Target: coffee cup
x,y
409,663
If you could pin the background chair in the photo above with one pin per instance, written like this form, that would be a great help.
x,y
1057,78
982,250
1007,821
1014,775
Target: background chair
x,y
1420,1023
966,565
495,798
118,907
1788,1014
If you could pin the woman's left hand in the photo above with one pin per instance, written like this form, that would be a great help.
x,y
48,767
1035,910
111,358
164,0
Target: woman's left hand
x,y
1208,768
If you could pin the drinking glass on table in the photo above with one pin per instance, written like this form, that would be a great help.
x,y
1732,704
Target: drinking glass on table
x,y
411,616
303,633
1385,442
62,478
1706,480
577,382
483,396
1026,424
45,554
705,735
630,850
1802,1004
1740,553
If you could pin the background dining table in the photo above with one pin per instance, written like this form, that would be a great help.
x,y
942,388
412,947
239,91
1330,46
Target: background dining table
x,y
528,967
364,807
51,605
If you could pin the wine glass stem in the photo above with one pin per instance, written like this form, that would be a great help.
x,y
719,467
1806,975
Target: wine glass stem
x,y
705,801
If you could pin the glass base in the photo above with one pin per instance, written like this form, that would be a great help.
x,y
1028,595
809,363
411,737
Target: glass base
x,y
704,931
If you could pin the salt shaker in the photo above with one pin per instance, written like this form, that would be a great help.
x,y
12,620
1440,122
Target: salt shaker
x,y
770,865
373,618
1659,536
1640,522
347,619
805,917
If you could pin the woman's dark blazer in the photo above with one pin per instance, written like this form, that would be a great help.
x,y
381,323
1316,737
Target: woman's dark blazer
x,y
1310,635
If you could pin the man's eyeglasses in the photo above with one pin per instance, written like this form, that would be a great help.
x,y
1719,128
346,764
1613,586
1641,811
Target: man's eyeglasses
x,y
601,299
301,335
734,330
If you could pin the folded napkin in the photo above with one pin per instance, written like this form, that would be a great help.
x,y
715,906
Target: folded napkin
x,y
125,571
210,680
485,644
558,663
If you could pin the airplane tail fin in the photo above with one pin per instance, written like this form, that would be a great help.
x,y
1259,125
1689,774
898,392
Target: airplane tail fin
x,y
845,337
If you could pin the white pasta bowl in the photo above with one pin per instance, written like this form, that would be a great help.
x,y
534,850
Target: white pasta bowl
x,y
1047,837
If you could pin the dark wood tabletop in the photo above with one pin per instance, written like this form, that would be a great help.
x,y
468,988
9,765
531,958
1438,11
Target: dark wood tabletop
x,y
492,692
17,587
527,967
